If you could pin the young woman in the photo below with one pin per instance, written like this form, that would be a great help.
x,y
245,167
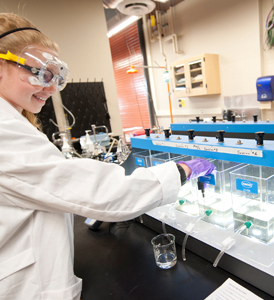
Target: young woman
x,y
40,189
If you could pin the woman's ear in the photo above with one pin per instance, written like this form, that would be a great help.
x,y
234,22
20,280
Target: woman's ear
x,y
1,67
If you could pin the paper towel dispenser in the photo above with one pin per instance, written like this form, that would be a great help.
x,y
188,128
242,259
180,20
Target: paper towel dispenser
x,y
265,88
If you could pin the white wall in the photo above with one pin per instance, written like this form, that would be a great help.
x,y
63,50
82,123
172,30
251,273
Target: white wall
x,y
79,27
231,28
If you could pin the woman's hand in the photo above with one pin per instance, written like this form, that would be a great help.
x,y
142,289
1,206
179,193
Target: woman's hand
x,y
197,167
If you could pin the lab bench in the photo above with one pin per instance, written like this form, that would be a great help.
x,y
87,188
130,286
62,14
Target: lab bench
x,y
117,262
221,216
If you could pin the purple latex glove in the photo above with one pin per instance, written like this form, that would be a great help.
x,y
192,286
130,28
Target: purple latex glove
x,y
199,167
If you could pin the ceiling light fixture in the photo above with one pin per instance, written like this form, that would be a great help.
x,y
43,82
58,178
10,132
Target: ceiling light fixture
x,y
122,25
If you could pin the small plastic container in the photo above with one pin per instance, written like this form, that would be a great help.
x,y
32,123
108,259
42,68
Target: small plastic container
x,y
143,158
164,250
252,189
214,193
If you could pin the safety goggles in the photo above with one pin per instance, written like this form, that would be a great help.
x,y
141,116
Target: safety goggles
x,y
40,67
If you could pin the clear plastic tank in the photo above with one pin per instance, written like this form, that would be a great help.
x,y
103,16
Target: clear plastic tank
x,y
217,194
252,189
189,194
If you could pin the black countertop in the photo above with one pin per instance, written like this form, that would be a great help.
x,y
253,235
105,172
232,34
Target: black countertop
x,y
117,262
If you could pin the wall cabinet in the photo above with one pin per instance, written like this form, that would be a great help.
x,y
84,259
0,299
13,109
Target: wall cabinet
x,y
196,76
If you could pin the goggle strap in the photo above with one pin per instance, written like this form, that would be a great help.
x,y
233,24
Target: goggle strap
x,y
17,29
12,57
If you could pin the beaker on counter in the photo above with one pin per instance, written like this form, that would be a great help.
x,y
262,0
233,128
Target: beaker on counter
x,y
164,250
252,189
216,194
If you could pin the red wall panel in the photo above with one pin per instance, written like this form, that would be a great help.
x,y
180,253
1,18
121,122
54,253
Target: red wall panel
x,y
131,88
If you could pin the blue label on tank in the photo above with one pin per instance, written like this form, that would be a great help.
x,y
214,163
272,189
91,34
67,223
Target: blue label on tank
x,y
156,162
247,186
209,179
139,161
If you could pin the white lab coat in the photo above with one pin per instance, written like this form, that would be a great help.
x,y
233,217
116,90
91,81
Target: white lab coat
x,y
39,189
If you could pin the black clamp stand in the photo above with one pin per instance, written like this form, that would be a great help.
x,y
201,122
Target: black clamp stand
x,y
147,132
259,137
191,134
233,119
214,119
255,118
167,133
220,136
198,119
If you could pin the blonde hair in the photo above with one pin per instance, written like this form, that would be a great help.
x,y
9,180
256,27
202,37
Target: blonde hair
x,y
16,41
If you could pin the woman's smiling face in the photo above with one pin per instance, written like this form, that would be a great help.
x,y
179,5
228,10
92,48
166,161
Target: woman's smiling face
x,y
21,94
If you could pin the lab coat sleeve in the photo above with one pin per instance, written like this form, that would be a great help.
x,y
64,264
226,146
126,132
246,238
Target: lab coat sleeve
x,y
35,175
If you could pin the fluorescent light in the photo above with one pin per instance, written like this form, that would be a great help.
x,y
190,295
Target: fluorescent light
x,y
163,1
122,25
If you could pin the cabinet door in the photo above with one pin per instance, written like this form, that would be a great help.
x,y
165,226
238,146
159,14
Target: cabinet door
x,y
197,84
196,76
179,79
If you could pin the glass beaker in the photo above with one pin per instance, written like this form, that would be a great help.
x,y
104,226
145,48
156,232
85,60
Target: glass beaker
x,y
164,250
